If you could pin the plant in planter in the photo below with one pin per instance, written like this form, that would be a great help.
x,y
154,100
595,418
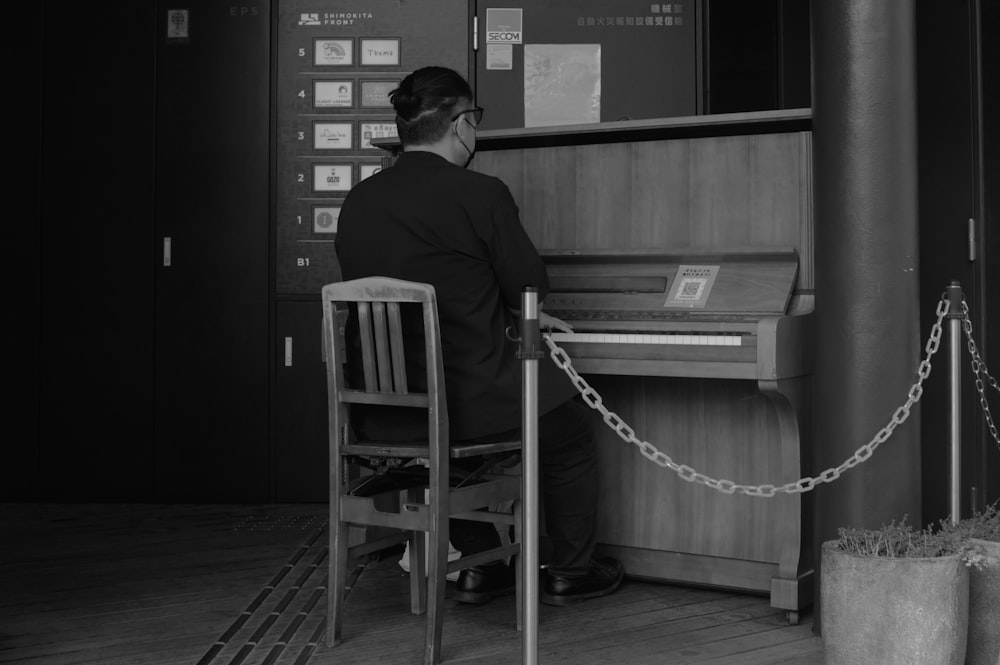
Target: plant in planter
x,y
895,596
979,537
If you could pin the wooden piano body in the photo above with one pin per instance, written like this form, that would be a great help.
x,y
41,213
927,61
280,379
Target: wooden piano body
x,y
621,207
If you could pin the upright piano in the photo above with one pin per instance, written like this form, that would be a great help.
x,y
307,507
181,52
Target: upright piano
x,y
715,315
681,251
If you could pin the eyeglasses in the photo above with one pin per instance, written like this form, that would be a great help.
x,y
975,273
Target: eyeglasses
x,y
477,115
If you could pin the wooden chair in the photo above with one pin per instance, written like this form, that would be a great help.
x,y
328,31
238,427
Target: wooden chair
x,y
377,301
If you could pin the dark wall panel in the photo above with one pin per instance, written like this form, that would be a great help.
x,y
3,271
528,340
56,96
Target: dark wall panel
x,y
300,444
19,474
950,195
757,55
742,55
95,276
212,202
989,302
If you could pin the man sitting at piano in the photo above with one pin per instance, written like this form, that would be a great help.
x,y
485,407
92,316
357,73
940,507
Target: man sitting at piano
x,y
429,219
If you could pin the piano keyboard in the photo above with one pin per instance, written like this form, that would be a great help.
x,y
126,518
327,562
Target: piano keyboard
x,y
623,327
647,338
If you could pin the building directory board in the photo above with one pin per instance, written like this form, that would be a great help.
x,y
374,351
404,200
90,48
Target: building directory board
x,y
337,63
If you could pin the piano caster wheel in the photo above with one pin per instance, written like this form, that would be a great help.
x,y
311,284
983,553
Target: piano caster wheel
x,y
793,617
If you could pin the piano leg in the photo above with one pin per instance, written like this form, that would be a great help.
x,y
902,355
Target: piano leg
x,y
791,589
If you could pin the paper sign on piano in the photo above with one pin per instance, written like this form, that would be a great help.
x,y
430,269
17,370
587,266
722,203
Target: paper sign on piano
x,y
692,286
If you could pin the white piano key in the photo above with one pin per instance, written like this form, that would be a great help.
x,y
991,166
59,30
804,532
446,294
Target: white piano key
x,y
648,338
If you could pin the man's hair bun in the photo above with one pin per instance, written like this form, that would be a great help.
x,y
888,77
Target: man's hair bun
x,y
425,102
407,104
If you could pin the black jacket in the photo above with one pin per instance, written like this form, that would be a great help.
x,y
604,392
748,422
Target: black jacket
x,y
428,220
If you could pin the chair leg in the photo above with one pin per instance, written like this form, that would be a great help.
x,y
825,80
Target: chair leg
x,y
418,561
436,581
336,580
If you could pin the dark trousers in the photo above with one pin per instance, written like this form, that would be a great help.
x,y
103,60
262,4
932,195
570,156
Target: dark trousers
x,y
567,455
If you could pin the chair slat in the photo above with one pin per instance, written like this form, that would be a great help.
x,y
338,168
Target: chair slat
x,y
396,342
367,344
383,357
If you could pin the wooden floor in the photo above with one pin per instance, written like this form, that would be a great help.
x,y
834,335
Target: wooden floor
x,y
117,584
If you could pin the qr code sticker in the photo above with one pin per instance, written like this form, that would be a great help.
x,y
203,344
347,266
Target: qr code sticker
x,y
690,289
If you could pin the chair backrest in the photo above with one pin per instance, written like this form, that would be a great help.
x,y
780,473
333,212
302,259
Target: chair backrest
x,y
377,302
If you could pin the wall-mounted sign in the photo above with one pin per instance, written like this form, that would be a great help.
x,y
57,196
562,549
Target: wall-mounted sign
x,y
333,94
562,84
504,26
333,52
375,94
332,177
380,52
333,135
325,219
178,25
376,130
368,170
500,56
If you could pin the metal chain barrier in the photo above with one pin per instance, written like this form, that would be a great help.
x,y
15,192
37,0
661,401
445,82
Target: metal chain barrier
x,y
805,484
979,368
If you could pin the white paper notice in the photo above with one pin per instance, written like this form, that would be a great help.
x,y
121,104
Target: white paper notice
x,y
562,84
499,56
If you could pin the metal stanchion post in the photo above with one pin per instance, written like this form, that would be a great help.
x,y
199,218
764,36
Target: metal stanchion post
x,y
954,295
529,354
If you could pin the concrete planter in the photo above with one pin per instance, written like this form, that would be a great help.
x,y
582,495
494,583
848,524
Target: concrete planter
x,y
984,608
903,611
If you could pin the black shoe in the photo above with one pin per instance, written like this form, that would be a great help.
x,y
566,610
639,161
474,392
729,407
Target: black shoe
x,y
481,584
606,575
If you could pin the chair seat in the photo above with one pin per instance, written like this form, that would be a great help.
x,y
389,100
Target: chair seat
x,y
422,449
416,515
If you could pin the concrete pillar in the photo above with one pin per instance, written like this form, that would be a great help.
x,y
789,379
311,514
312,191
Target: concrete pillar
x,y
867,288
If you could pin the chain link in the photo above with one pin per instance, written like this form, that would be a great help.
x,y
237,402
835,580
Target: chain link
x,y
979,368
805,484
